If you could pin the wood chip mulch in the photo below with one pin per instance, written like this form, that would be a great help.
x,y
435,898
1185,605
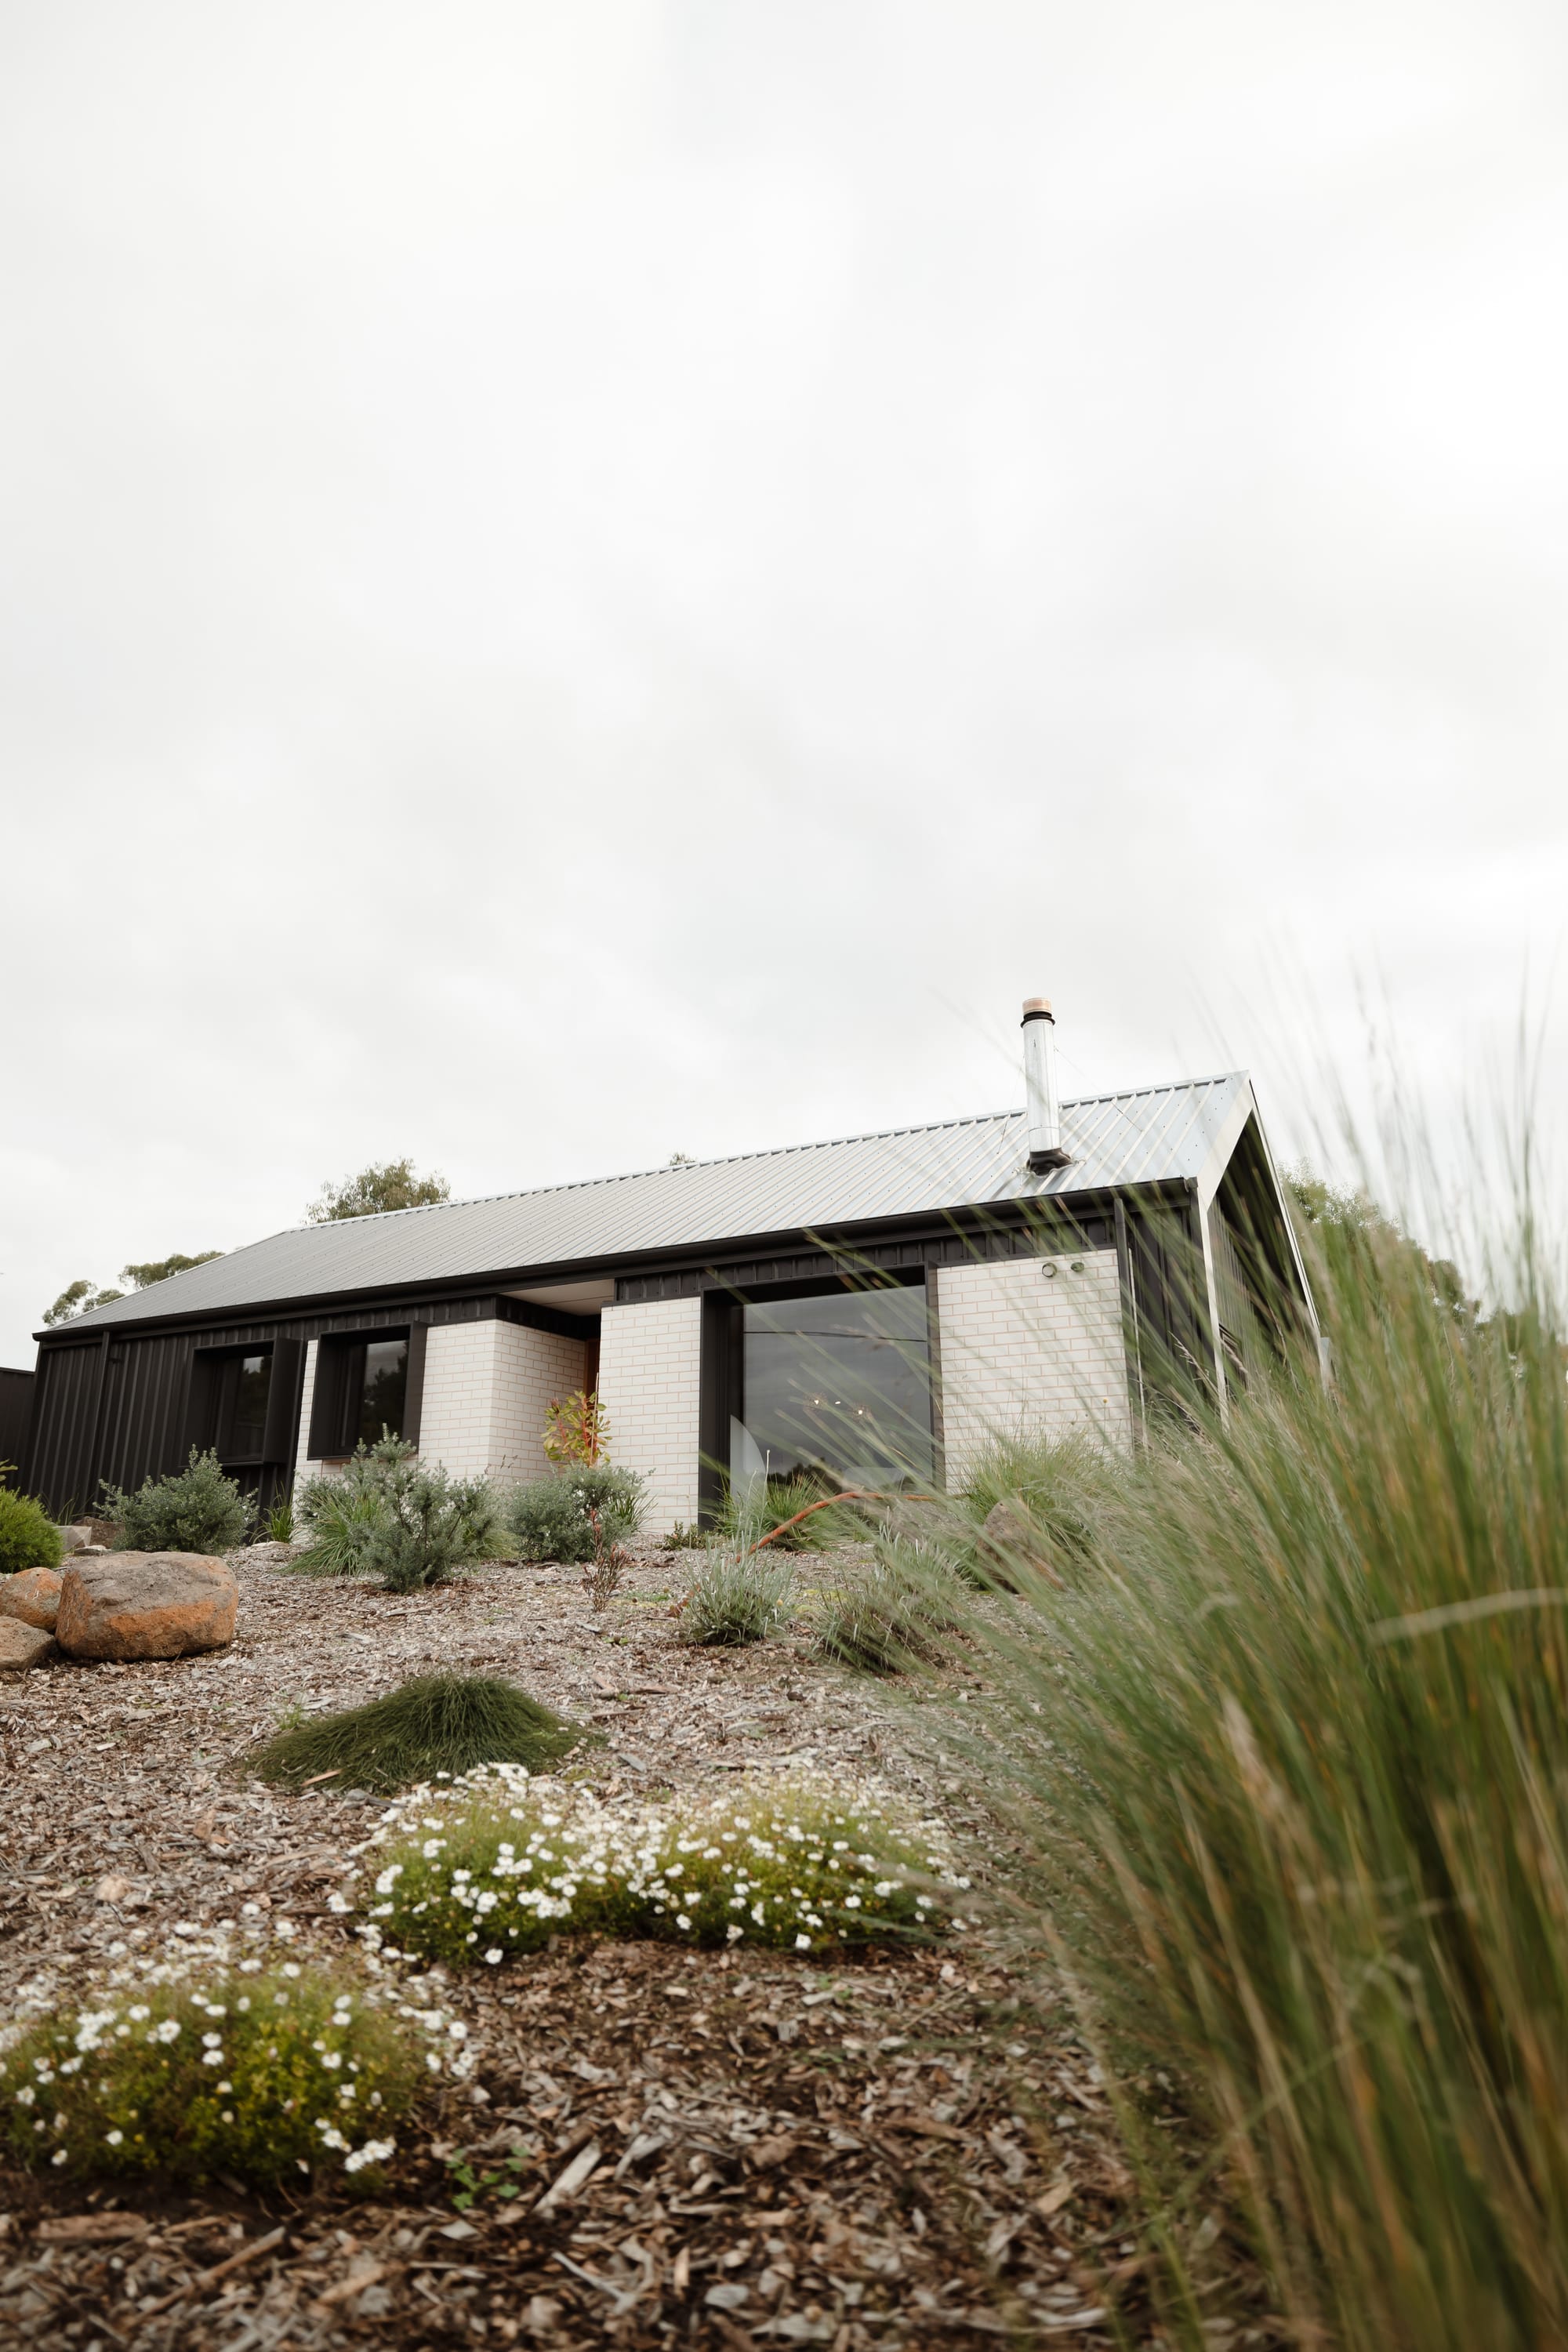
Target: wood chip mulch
x,y
658,2144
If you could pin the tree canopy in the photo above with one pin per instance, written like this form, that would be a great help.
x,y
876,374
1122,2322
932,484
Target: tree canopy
x,y
79,1297
384,1185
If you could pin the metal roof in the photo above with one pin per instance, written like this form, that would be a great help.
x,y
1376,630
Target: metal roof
x,y
1151,1135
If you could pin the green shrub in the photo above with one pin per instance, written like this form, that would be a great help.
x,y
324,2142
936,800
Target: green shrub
x,y
496,1864
1293,1766
263,2073
386,1512
682,1537
553,1518
28,1536
198,1509
735,1600
436,1724
886,1623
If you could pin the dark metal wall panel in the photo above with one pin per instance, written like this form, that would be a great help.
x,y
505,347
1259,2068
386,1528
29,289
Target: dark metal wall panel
x,y
59,1455
17,1389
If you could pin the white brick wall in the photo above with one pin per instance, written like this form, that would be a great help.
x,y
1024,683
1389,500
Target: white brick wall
x,y
651,1368
487,1386
1026,1352
303,1466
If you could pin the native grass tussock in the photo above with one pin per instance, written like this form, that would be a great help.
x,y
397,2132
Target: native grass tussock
x,y
226,2056
494,1864
434,1724
1290,1766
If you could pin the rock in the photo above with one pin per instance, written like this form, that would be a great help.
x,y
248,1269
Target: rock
x,y
74,1538
1010,1535
21,1646
146,1604
33,1596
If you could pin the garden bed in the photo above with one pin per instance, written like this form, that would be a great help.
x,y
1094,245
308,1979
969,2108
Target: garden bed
x,y
878,2151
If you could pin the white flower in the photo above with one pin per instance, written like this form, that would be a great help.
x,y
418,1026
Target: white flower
x,y
25,2096
493,1955
60,2156
374,2151
212,2041
333,2060
290,1967
803,1943
212,2057
168,2031
432,1847
113,2138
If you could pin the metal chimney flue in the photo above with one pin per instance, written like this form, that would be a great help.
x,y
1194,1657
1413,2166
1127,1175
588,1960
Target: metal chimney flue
x,y
1040,1083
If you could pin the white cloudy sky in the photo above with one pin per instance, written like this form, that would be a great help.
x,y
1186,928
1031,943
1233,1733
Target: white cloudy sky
x,y
586,579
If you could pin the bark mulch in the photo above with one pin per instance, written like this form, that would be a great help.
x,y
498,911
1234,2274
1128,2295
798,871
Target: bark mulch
x,y
658,2144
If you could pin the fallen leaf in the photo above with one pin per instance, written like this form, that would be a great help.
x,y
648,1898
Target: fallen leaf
x,y
767,2153
1055,2198
359,2274
569,2182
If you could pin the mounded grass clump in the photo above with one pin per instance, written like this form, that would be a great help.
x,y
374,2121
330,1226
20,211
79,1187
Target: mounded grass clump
x,y
436,1724
886,1625
736,1600
497,1864
28,1536
266,2073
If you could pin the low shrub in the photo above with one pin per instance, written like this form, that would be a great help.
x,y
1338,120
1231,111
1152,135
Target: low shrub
x,y
735,1600
553,1518
263,2071
386,1512
198,1509
280,1522
28,1536
495,1864
888,1622
436,1724
682,1537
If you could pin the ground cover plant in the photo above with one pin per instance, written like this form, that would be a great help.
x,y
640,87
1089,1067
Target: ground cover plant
x,y
197,1509
495,1864
434,1723
736,1598
263,2071
570,1515
1299,1743
28,1536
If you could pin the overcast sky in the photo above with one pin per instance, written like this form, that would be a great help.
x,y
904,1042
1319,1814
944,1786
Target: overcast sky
x,y
592,579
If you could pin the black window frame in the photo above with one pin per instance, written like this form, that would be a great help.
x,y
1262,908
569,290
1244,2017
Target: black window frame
x,y
337,1396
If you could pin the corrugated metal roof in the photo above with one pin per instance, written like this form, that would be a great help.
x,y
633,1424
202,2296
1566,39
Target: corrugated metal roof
x,y
1151,1135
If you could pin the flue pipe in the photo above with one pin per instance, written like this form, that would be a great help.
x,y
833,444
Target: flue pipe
x,y
1040,1083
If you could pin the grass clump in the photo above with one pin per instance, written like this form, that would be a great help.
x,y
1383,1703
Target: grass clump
x,y
1048,1501
28,1536
889,1622
436,1724
262,2071
574,1513
773,1503
197,1509
496,1864
1308,1771
735,1599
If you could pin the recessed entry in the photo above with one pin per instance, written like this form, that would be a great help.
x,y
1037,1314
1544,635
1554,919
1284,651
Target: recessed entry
x,y
571,1297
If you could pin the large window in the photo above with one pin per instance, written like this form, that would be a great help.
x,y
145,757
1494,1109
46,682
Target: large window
x,y
245,1383
361,1390
837,1387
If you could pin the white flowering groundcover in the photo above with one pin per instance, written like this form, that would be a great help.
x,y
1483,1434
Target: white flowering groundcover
x,y
222,2057
494,1864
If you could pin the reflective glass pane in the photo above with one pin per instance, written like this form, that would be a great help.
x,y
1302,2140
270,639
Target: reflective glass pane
x,y
840,1384
386,1384
247,1424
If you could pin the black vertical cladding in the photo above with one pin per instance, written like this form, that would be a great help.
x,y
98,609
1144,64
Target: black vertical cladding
x,y
414,1381
1165,1271
16,1393
283,1400
718,1399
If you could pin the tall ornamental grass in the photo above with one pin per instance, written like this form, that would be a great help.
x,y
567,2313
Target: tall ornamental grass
x,y
1290,1760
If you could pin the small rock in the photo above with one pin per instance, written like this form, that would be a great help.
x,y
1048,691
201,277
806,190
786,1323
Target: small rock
x,y
34,1596
21,1646
146,1604
112,1889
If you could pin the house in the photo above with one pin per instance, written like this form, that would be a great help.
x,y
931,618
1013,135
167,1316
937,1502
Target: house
x,y
15,1415
872,1310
